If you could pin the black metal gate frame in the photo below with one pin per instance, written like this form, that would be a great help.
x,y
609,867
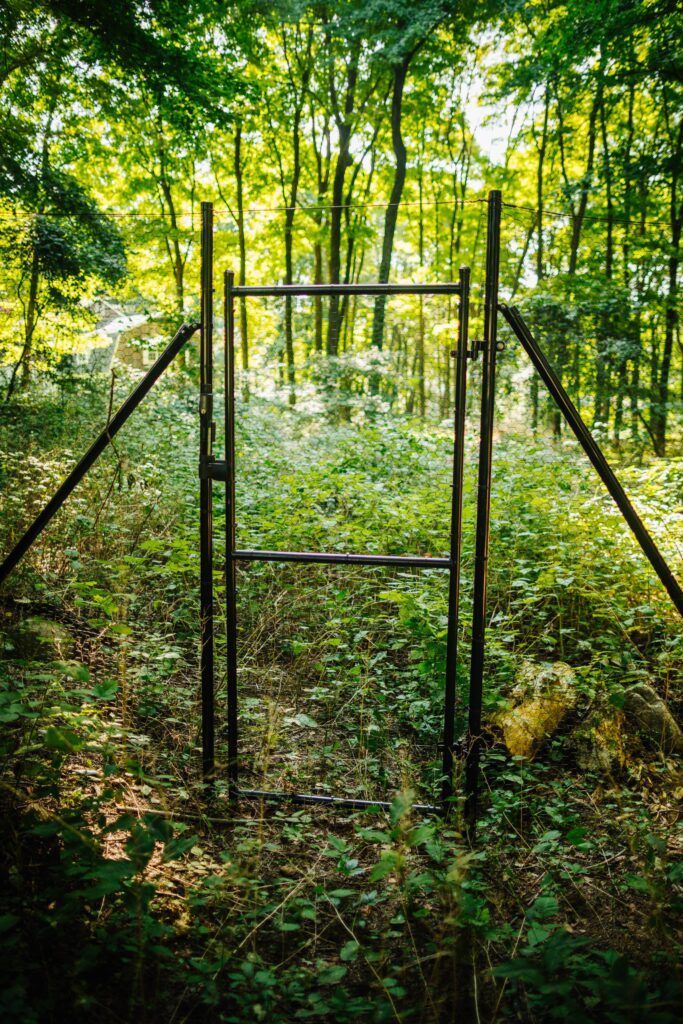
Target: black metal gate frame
x,y
211,469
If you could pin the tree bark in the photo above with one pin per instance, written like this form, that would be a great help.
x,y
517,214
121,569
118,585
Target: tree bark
x,y
601,410
23,365
342,164
622,382
661,393
322,162
577,215
391,214
242,243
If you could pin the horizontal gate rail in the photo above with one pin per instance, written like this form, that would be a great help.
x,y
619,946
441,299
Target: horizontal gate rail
x,y
281,796
97,447
284,290
339,558
594,452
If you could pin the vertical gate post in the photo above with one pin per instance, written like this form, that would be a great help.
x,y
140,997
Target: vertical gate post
x,y
488,381
230,581
206,437
461,356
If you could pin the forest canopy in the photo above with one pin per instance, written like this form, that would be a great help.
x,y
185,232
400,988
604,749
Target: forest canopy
x,y
346,142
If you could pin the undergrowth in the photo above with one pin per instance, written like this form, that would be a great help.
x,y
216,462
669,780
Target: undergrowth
x,y
130,893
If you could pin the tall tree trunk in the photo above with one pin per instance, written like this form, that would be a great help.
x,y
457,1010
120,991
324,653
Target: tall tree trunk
x,y
601,409
173,248
24,363
299,79
540,194
32,312
661,393
542,149
577,215
31,320
289,263
391,213
322,162
241,240
343,162
622,381
421,321
635,395
289,325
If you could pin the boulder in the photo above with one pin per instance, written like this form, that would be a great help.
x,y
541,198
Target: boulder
x,y
38,637
598,743
544,694
650,716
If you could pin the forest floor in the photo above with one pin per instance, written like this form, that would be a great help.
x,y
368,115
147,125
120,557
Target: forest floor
x,y
131,895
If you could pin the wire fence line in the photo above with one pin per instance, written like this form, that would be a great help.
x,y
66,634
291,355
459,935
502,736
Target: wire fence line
x,y
565,215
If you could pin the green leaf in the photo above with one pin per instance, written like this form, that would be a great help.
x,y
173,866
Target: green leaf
x,y
373,835
177,848
305,720
120,629
62,739
420,834
106,690
386,864
637,883
537,933
400,806
542,908
576,836
331,975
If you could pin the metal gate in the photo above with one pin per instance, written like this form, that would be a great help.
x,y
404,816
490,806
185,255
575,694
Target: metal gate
x,y
224,470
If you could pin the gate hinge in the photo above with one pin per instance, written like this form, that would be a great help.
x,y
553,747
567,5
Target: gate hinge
x,y
214,469
481,346
470,353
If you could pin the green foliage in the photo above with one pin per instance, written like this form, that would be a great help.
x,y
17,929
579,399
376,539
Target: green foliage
x,y
565,978
290,915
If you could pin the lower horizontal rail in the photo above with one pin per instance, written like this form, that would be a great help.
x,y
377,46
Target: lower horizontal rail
x,y
282,796
338,558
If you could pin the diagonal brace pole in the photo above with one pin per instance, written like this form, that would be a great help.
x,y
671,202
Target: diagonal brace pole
x,y
594,452
93,453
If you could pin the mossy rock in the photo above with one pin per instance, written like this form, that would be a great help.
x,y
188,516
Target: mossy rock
x,y
38,637
598,744
649,716
544,694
